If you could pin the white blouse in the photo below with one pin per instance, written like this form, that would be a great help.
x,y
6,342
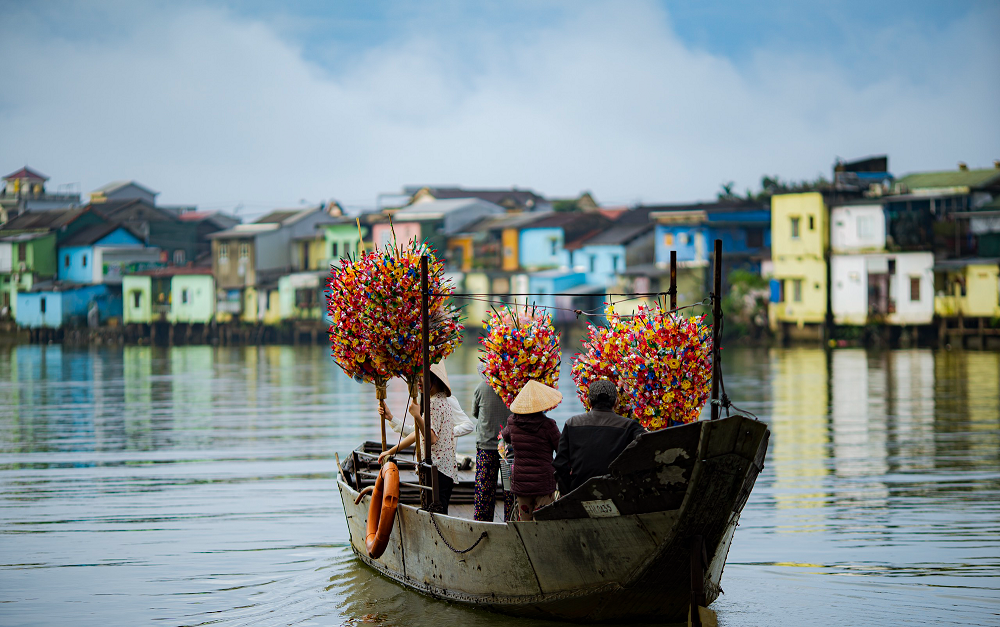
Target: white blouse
x,y
443,424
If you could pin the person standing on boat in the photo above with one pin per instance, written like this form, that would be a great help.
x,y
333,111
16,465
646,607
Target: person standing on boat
x,y
534,437
463,425
442,434
591,441
490,413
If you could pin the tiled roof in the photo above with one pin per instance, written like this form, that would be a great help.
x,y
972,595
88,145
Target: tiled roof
x,y
92,234
26,173
50,219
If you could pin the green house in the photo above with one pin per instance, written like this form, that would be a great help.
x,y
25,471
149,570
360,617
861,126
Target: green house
x,y
184,295
342,239
25,259
301,296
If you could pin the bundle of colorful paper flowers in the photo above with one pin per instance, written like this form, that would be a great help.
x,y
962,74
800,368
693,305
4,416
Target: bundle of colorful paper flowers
x,y
520,344
394,301
660,361
604,353
374,305
353,336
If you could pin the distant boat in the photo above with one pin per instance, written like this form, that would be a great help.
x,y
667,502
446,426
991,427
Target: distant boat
x,y
646,542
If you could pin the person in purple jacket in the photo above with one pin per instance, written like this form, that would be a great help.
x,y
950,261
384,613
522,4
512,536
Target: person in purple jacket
x,y
534,438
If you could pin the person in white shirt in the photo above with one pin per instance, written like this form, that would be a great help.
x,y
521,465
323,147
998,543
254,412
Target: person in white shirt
x,y
463,425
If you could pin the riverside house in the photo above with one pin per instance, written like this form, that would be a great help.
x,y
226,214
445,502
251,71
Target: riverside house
x,y
869,284
176,295
799,248
248,259
104,253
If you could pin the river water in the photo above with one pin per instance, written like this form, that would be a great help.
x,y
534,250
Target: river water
x,y
195,485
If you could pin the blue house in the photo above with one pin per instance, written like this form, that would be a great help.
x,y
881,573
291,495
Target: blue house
x,y
52,305
542,243
564,291
626,243
102,253
691,230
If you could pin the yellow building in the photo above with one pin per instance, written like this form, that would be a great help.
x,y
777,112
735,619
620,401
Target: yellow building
x,y
967,288
799,245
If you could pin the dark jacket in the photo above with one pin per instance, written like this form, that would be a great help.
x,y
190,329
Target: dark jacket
x,y
589,443
534,438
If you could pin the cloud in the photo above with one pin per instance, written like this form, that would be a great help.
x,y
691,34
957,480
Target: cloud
x,y
211,107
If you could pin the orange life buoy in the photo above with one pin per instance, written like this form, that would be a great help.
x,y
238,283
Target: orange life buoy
x,y
382,510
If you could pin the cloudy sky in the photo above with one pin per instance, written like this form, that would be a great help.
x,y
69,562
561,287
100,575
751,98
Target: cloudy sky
x,y
226,103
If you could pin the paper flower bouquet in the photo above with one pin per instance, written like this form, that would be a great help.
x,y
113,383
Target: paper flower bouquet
x,y
660,361
520,344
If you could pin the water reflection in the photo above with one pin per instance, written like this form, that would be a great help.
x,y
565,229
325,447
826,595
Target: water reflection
x,y
800,392
195,485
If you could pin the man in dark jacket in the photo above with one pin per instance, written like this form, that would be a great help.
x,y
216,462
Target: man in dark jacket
x,y
591,441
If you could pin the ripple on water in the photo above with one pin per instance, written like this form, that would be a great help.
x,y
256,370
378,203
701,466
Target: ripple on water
x,y
195,486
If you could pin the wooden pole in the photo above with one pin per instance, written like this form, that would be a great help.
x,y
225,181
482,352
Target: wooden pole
x,y
425,410
380,391
716,328
673,280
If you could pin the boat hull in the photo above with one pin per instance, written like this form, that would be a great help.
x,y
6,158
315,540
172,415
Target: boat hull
x,y
583,562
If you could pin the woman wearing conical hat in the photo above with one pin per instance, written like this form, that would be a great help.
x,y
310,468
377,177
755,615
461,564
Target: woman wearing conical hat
x,y
534,437
442,434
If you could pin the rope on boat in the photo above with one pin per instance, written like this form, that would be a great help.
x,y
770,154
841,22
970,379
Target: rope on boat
x,y
448,544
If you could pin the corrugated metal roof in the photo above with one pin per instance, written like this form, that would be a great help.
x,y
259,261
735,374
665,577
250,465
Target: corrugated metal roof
x,y
973,179
437,209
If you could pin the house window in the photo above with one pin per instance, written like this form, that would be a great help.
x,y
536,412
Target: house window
x,y
914,289
779,297
866,227
85,261
614,262
668,239
244,251
333,250
892,267
305,298
179,257
66,261
223,252
797,290
553,243
812,223
755,238
795,228
184,295
305,255
42,304
136,294
22,252
593,262
682,239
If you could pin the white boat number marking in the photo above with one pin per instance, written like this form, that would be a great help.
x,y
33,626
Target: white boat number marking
x,y
601,509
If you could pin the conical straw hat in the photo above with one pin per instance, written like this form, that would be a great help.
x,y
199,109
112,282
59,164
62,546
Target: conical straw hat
x,y
438,371
535,397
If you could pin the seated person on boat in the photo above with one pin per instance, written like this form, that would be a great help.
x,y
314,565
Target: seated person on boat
x,y
591,441
534,437
442,434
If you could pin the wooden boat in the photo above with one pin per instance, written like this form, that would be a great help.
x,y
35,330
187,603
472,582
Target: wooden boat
x,y
647,541
618,547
